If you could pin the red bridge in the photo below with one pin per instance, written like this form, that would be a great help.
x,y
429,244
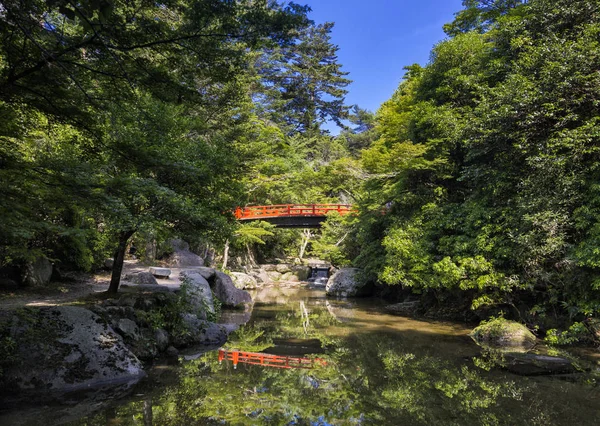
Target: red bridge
x,y
292,215
267,360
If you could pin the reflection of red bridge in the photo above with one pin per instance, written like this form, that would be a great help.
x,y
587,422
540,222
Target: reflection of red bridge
x,y
267,360
292,215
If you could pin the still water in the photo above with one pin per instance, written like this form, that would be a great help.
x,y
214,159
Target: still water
x,y
373,369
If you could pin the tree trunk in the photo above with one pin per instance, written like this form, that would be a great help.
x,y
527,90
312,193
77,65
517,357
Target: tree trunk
x,y
306,234
119,258
225,255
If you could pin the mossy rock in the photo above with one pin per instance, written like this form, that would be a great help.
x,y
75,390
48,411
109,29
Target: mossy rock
x,y
501,333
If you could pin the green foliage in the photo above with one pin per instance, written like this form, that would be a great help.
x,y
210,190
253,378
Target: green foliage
x,y
576,333
474,155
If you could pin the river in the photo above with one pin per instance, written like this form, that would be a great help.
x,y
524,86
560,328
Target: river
x,y
371,368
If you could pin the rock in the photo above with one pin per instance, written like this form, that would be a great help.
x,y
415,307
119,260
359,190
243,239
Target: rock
x,y
108,264
141,278
302,272
501,333
199,332
144,288
127,328
162,339
261,276
37,273
274,276
179,245
228,294
347,283
182,257
403,309
171,352
207,273
243,281
526,364
160,272
283,268
68,348
289,276
198,293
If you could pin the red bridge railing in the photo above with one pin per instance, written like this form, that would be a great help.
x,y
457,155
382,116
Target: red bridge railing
x,y
290,210
268,360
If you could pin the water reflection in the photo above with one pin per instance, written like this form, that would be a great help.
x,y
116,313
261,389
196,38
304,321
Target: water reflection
x,y
377,370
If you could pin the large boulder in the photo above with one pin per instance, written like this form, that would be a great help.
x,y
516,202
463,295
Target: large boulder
x,y
207,273
243,281
37,273
501,333
261,276
144,278
347,282
199,332
182,257
228,294
66,348
527,364
198,293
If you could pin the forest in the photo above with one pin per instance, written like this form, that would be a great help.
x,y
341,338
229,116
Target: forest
x,y
477,183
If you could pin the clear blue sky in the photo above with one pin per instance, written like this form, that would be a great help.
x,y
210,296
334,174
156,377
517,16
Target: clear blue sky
x,y
377,38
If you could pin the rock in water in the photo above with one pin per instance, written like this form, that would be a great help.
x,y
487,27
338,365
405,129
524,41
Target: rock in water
x,y
66,348
501,333
346,282
243,281
200,332
198,293
228,294
37,273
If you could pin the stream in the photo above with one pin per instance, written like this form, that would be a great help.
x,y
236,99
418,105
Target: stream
x,y
365,367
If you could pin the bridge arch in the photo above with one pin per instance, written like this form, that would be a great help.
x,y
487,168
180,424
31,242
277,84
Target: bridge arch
x,y
292,215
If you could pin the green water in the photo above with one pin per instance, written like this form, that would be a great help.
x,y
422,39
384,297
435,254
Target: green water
x,y
379,370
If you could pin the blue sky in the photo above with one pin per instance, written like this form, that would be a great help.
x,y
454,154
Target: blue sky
x,y
377,38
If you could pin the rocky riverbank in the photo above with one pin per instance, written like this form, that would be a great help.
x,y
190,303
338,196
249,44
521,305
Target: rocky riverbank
x,y
102,342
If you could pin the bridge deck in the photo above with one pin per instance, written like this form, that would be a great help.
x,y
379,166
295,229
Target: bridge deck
x,y
290,210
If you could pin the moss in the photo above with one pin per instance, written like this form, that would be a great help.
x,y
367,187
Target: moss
x,y
499,332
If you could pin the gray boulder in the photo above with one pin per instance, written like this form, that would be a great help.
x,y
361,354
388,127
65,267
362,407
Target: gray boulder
x,y
143,278
302,272
127,328
527,364
261,276
37,273
160,272
228,294
243,281
199,332
162,339
65,349
346,282
207,273
182,257
108,263
198,293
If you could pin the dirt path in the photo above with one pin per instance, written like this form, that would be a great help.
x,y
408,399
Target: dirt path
x,y
74,289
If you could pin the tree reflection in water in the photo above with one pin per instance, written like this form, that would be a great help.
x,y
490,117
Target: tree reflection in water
x,y
371,377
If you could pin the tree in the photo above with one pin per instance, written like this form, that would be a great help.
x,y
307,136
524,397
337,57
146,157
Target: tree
x,y
154,97
303,84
